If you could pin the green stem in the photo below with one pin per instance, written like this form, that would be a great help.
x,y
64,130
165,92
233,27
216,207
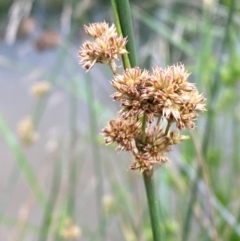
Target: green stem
x,y
22,161
49,209
167,128
96,158
151,195
73,122
125,59
153,206
122,15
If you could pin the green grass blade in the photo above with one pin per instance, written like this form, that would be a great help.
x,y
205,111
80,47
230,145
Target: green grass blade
x,y
163,30
96,155
22,161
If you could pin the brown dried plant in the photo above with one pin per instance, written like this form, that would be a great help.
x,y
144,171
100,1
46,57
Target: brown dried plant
x,y
151,103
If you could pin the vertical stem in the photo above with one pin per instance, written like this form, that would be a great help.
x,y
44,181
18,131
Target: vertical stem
x,y
151,195
153,206
167,128
22,161
72,160
125,59
96,158
122,14
49,208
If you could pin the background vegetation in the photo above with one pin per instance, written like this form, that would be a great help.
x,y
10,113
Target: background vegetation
x,y
68,180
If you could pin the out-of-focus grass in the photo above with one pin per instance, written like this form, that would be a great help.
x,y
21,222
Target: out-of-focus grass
x,y
199,36
22,161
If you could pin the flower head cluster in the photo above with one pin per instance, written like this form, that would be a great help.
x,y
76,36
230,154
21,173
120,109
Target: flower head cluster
x,y
40,89
69,230
105,48
163,95
130,87
122,132
175,98
147,100
26,131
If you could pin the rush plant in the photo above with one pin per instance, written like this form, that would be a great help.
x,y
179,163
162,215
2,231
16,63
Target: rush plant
x,y
155,105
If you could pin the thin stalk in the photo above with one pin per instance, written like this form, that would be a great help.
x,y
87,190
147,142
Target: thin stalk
x,y
48,212
96,158
125,59
153,206
122,193
167,128
22,161
162,30
72,148
208,129
151,194
7,192
235,141
121,10
124,15
203,167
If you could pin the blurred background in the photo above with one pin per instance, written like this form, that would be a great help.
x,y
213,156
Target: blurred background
x,y
58,181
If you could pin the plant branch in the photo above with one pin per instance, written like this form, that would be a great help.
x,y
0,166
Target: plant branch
x,y
121,10
125,59
124,14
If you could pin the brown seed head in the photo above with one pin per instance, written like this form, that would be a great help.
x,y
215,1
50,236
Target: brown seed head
x,y
96,30
174,97
130,86
152,151
105,48
123,132
193,103
156,144
130,82
141,163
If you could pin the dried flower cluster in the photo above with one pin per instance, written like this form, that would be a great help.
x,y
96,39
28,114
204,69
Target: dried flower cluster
x,y
70,230
40,89
26,131
164,96
148,101
105,48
